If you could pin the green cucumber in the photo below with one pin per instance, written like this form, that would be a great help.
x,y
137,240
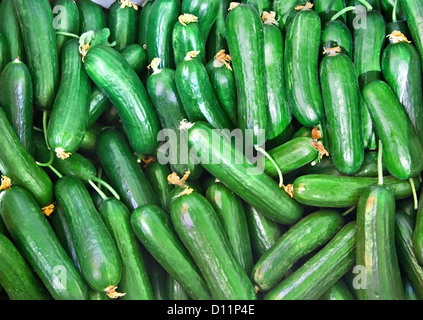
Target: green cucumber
x,y
409,292
16,100
36,241
91,16
402,150
387,8
231,213
154,229
376,252
216,40
200,230
327,8
157,276
68,118
4,52
134,281
304,237
87,145
205,10
243,178
322,271
35,19
136,57
339,291
284,10
321,190
65,19
413,12
112,73
280,114
285,136
418,232
301,70
157,175
397,26
110,117
97,253
245,40
336,33
143,22
260,5
175,290
16,277
9,27
123,22
161,20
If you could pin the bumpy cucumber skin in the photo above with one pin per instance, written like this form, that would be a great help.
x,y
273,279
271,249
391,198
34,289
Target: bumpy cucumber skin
x,y
205,10
301,70
35,239
9,27
414,15
339,291
336,33
66,19
122,23
186,38
376,245
200,230
16,100
91,16
402,150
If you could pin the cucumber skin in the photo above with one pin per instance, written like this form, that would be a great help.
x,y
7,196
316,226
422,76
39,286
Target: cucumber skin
x,y
414,15
4,52
259,5
99,258
66,16
376,245
402,150
327,8
205,10
9,27
175,290
200,230
157,174
339,291
91,16
284,10
143,22
216,40
322,271
336,33
122,23
418,234
35,239
185,39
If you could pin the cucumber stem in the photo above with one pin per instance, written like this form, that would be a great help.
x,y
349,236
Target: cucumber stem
x,y
366,4
413,190
274,163
379,164
67,34
348,211
45,117
55,171
101,193
341,12
107,186
50,161
394,11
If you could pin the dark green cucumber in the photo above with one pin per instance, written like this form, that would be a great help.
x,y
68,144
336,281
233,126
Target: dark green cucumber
x,y
17,164
65,19
404,230
136,57
401,68
418,232
336,33
322,271
327,8
407,206
68,118
97,253
339,291
341,97
205,10
260,5
157,276
123,24
110,117
134,281
301,70
113,74
16,277
36,241
376,252
305,236
161,20
87,145
121,166
197,95
231,213
4,52
284,9
186,37
413,11
157,175
200,230
175,290
143,22
91,16
243,178
387,8
154,229
216,40
279,111
244,34
36,19
285,136
9,27
409,292
321,190
402,150
16,101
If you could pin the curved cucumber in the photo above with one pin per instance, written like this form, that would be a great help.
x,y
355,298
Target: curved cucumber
x,y
205,10
122,22
9,27
91,16
65,19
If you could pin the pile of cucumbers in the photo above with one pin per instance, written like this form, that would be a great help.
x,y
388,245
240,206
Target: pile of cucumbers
x,y
92,100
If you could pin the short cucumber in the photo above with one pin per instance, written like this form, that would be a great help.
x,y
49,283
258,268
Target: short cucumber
x,y
205,10
413,15
339,291
336,33
9,27
91,16
65,19
123,22
143,22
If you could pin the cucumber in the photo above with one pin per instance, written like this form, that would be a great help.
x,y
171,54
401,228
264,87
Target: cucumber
x,y
157,275
285,136
36,241
143,22
401,69
65,19
111,73
186,37
418,233
122,168
197,95
244,34
17,164
376,252
304,237
157,174
91,16
110,117
387,8
243,178
123,22
409,292
231,213
259,5
280,114
16,277
320,190
339,291
16,100
161,20
154,229
322,271
9,27
301,70
402,151
175,290
397,26
87,145
97,253
413,12
205,10
134,281
136,57
68,118
341,96
216,40
200,230
336,33
286,8
35,19
4,52
327,8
